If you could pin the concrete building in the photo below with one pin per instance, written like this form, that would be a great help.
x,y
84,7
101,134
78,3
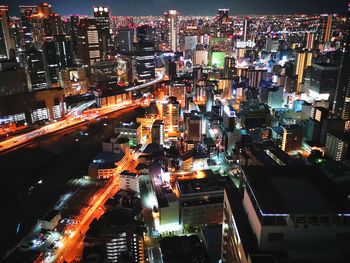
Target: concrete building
x,y
337,146
132,130
129,181
284,214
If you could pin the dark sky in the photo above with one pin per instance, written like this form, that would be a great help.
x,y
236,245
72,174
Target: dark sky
x,y
189,7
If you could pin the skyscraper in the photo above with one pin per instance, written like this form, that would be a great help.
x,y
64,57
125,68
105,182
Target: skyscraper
x,y
101,14
303,60
26,12
171,32
341,105
89,51
6,39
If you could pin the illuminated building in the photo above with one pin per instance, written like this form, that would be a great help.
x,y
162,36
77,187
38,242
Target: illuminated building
x,y
254,76
228,117
268,220
6,39
254,115
190,43
323,81
101,14
303,60
35,69
145,67
229,67
49,105
337,145
327,27
209,98
200,57
292,138
58,54
341,106
52,25
157,132
310,41
171,115
132,130
26,12
275,97
73,80
171,30
193,126
118,238
126,39
200,201
129,181
223,23
89,51
178,90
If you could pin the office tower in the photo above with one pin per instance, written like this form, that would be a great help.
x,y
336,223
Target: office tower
x,y
303,60
323,81
58,54
7,42
171,114
255,76
26,11
284,208
35,68
229,67
157,132
337,145
275,97
223,23
101,15
292,138
73,32
171,30
193,125
13,78
145,39
145,67
88,42
309,40
327,27
125,40
341,106
228,118
53,25
209,98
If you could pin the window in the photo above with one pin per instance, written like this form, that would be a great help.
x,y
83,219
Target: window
x,y
275,237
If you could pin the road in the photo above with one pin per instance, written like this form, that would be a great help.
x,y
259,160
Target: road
x,y
75,117
71,121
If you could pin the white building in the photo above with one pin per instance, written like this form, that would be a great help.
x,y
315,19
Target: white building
x,y
129,181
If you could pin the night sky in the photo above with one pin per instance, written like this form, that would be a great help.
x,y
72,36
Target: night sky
x,y
189,7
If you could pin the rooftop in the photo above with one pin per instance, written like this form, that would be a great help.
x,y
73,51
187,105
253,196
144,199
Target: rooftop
x,y
295,189
200,186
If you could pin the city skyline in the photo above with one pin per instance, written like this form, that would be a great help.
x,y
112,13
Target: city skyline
x,y
208,7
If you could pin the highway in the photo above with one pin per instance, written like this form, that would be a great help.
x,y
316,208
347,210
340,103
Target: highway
x,y
75,117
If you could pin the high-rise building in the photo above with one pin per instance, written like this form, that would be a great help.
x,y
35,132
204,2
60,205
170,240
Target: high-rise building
x,y
171,30
292,138
89,51
327,27
157,132
337,145
7,42
73,81
193,127
35,68
53,25
309,40
102,14
125,40
341,105
13,78
171,114
284,214
229,67
58,54
26,12
303,60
